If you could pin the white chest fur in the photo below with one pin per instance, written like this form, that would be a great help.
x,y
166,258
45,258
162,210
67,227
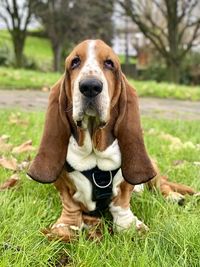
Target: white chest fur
x,y
85,157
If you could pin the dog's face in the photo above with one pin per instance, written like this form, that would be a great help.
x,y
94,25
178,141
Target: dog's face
x,y
93,86
92,70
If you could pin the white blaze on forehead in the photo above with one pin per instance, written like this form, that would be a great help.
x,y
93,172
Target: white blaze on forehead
x,y
91,67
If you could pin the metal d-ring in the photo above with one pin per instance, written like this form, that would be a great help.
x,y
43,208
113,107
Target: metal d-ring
x,y
102,186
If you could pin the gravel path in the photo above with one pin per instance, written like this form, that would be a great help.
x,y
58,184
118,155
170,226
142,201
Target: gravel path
x,y
160,108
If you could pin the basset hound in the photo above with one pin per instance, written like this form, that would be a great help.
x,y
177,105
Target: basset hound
x,y
92,147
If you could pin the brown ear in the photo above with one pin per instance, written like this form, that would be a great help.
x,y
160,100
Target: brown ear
x,y
50,158
136,165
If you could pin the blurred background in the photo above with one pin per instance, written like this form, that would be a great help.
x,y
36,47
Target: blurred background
x,y
155,39
158,43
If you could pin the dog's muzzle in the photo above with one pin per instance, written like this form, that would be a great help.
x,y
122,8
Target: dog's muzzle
x,y
90,87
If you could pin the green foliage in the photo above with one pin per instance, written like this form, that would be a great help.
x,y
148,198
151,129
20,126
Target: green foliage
x,y
29,79
37,52
173,239
155,71
6,56
166,90
189,70
26,79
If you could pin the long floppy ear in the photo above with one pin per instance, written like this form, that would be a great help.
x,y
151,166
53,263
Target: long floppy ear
x,y
50,158
136,165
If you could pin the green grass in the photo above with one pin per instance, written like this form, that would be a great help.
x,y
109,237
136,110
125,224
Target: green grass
x,y
26,79
166,90
173,239
11,78
37,49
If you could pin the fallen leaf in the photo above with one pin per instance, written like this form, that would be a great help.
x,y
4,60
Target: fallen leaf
x,y
25,147
5,137
197,163
15,118
4,147
189,144
168,137
11,182
45,89
10,164
23,165
178,162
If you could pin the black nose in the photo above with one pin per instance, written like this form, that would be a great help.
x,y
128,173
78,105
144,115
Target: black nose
x,y
90,87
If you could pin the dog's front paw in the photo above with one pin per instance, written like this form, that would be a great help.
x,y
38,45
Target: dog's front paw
x,y
62,231
124,219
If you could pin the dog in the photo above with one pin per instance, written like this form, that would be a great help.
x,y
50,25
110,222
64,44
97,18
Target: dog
x,y
92,147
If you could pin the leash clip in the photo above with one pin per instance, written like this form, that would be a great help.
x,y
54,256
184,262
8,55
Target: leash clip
x,y
102,186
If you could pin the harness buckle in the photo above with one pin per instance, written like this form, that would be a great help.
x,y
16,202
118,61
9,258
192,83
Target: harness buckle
x,y
102,186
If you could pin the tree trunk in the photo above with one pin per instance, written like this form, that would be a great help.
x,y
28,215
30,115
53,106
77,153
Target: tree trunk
x,y
18,42
57,52
173,72
18,48
172,24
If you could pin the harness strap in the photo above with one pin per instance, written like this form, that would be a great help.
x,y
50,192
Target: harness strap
x,y
102,183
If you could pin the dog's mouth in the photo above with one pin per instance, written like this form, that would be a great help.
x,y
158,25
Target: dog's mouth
x,y
91,110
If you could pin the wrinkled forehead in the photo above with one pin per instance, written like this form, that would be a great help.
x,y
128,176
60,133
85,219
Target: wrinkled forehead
x,y
93,49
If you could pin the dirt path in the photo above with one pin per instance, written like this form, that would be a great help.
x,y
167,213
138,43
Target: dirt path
x,y
166,108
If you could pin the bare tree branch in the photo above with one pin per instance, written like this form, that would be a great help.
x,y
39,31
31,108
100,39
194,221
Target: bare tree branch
x,y
180,16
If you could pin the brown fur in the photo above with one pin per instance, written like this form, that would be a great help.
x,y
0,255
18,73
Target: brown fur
x,y
123,124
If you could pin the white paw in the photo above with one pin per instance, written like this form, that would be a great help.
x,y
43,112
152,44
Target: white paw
x,y
139,188
124,219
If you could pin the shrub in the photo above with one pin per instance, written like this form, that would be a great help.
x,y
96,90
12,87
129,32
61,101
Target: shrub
x,y
6,56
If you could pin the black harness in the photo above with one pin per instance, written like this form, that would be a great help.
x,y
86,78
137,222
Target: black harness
x,y
102,183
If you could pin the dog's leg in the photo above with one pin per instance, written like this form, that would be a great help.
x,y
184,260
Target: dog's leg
x,y
123,218
70,222
171,191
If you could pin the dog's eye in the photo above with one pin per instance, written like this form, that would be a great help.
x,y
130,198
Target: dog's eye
x,y
109,64
75,62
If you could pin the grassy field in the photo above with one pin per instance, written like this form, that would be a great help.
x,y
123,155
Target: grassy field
x,y
28,79
39,50
173,239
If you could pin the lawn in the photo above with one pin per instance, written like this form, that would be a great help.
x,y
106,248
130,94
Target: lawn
x,y
28,79
37,49
173,239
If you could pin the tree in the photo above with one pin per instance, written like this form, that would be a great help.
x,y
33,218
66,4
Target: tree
x,y
56,17
17,16
69,21
172,26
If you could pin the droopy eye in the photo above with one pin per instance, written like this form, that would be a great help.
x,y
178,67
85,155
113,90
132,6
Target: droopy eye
x,y
75,62
109,64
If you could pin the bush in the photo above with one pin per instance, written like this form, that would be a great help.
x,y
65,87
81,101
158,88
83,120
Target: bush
x,y
7,59
155,71
190,70
6,56
29,63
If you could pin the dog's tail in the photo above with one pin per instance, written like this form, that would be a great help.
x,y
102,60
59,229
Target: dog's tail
x,y
170,190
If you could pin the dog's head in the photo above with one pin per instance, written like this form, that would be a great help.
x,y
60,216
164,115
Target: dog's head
x,y
93,70
93,86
